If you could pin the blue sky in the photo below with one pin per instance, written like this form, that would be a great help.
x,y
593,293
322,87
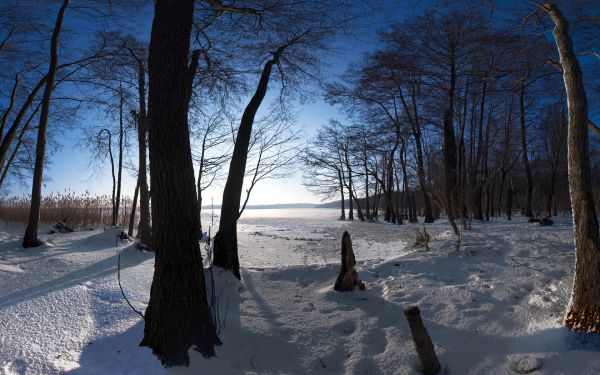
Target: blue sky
x,y
68,168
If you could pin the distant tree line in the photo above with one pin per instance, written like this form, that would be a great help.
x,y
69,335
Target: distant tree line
x,y
454,113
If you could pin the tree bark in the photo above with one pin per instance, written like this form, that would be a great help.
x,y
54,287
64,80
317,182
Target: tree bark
x,y
583,312
368,197
413,209
509,199
120,162
422,182
450,171
351,196
342,200
529,192
133,209
557,140
199,181
113,214
449,150
420,164
477,185
390,215
397,205
178,316
144,233
225,245
30,238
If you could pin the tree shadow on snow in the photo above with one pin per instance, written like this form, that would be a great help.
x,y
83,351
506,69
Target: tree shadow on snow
x,y
96,270
252,333
469,348
118,354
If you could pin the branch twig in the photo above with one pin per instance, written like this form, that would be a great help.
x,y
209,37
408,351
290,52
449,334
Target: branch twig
x,y
121,287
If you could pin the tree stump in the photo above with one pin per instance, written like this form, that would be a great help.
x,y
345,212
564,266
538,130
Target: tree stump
x,y
348,277
425,349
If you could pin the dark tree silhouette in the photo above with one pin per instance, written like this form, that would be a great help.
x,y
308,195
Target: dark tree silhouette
x,y
178,316
30,238
225,245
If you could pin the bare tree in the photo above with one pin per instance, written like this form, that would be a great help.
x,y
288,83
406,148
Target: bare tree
x,y
273,150
555,128
122,69
225,244
212,155
299,32
30,237
323,173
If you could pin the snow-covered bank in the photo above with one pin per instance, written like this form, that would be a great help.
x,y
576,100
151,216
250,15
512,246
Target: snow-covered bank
x,y
495,307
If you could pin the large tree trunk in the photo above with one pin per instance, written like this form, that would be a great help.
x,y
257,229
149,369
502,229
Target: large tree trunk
x,y
113,213
529,193
557,140
376,197
449,152
397,205
199,182
178,316
583,313
450,171
359,212
30,238
422,182
509,199
389,215
342,200
551,188
133,209
144,233
413,210
120,162
368,198
416,128
477,184
351,196
225,245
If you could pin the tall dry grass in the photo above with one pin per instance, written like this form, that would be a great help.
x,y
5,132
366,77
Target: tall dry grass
x,y
76,211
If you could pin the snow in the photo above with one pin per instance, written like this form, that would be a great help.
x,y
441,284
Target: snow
x,y
9,268
494,307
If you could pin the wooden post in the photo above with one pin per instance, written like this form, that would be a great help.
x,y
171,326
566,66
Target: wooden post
x,y
425,349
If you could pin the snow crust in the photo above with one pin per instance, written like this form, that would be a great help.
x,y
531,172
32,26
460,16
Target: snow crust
x,y
493,307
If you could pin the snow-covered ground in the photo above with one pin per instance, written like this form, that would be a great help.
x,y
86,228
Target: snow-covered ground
x,y
494,307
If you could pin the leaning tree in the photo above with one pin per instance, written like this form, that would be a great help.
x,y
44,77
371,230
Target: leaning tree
x,y
291,40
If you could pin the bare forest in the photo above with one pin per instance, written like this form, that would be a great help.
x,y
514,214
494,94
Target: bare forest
x,y
196,169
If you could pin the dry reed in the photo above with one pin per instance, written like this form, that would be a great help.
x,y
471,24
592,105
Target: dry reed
x,y
76,211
